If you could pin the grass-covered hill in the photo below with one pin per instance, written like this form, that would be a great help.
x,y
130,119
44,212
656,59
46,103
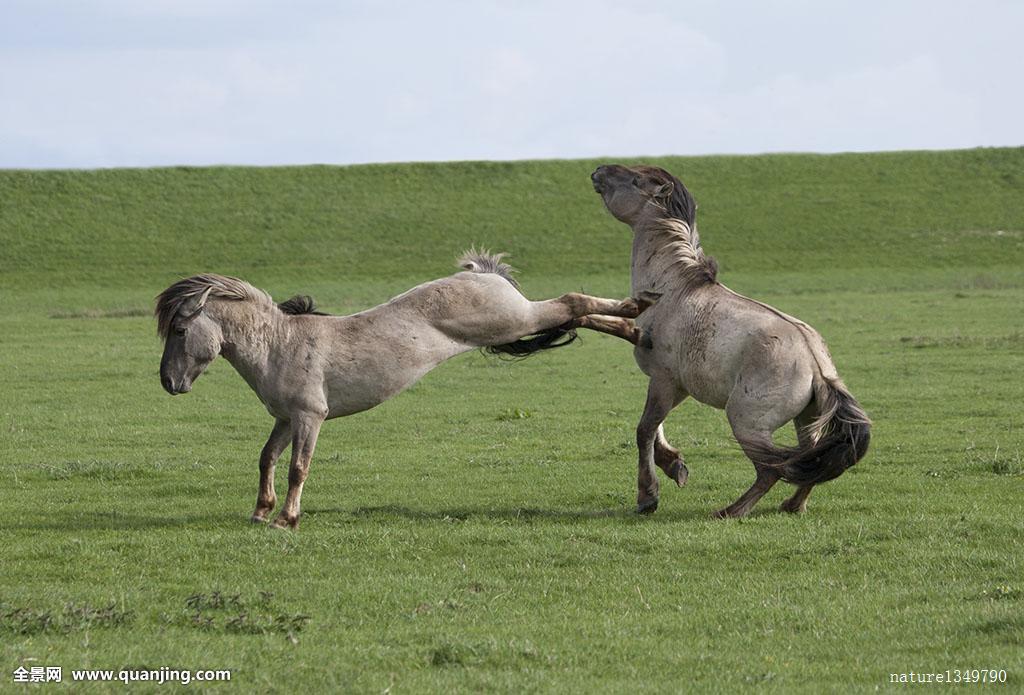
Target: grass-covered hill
x,y
844,219
476,533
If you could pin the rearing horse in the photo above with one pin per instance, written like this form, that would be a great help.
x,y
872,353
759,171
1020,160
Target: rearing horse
x,y
763,367
308,367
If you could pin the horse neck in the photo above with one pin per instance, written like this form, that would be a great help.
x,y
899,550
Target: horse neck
x,y
249,331
661,249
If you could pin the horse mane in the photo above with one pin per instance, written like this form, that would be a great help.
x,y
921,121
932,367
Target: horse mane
x,y
300,304
483,261
681,204
202,287
682,246
679,227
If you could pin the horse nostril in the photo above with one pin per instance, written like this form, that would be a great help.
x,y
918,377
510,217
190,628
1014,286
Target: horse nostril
x,y
166,382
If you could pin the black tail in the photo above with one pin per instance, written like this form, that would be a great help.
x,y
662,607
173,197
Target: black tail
x,y
545,340
300,304
843,435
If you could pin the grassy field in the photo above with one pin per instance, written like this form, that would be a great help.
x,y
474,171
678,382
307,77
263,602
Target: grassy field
x,y
476,533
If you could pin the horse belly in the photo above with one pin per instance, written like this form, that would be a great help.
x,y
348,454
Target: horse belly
x,y
359,380
367,386
690,349
706,384
647,360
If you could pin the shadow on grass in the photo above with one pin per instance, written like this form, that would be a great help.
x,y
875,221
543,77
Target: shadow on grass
x,y
117,521
1005,630
513,514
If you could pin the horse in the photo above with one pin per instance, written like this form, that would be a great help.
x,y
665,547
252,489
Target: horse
x,y
763,367
307,367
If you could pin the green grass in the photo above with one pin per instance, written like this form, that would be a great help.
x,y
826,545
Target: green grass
x,y
475,533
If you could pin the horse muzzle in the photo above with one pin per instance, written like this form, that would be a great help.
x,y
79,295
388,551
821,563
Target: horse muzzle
x,y
174,388
601,175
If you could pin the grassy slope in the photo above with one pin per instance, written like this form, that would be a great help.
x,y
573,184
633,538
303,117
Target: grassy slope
x,y
449,543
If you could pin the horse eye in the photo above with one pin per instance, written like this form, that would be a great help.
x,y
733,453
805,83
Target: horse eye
x,y
179,331
636,181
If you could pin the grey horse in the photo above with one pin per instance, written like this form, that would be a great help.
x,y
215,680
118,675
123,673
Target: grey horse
x,y
701,339
308,367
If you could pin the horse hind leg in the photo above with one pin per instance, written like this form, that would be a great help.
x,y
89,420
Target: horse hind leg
x,y
572,306
766,478
616,326
758,405
797,504
266,498
748,426
609,325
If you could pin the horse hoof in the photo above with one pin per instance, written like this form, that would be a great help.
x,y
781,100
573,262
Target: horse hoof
x,y
722,514
258,519
648,298
285,523
679,473
790,508
648,506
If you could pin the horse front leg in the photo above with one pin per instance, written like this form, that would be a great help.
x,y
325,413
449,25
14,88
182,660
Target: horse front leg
x,y
305,430
669,459
662,397
266,498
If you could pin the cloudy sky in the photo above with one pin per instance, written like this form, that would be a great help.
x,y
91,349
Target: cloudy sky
x,y
106,83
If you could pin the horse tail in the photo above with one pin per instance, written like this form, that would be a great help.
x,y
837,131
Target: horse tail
x,y
840,435
556,337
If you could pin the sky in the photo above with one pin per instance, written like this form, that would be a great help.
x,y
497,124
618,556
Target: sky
x,y
115,83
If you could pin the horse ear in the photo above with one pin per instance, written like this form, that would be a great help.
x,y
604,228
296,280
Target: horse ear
x,y
664,190
194,304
